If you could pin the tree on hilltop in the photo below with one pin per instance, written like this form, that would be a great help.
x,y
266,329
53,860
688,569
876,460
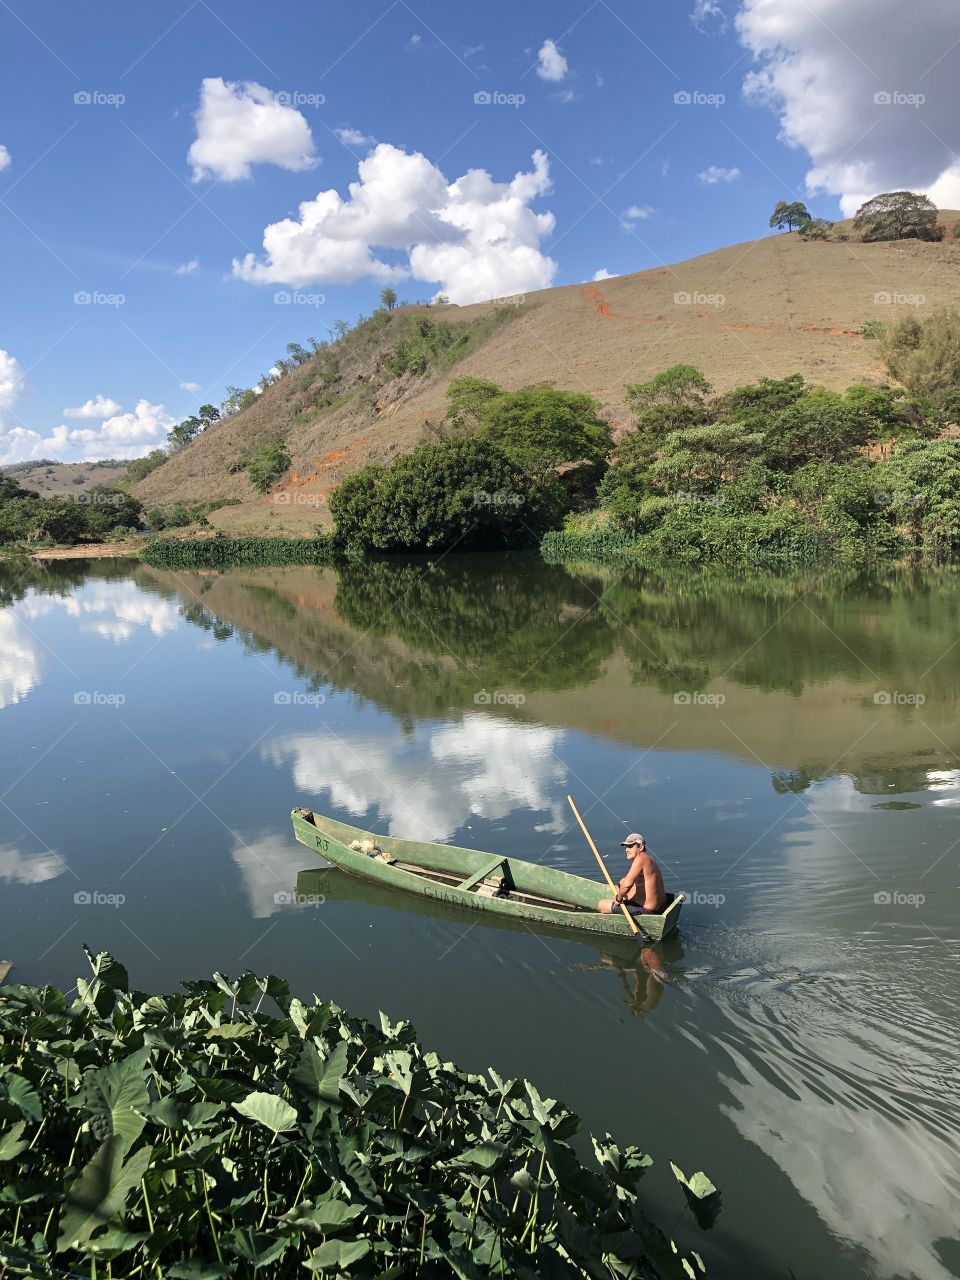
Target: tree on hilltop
x,y
897,215
790,215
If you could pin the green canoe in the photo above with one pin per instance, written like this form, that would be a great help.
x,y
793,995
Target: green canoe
x,y
479,881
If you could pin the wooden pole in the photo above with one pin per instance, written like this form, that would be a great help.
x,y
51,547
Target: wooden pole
x,y
603,866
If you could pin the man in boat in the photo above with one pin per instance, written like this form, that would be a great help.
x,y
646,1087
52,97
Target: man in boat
x,y
641,890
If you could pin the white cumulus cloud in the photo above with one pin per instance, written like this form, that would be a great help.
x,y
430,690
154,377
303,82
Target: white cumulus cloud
x,y
121,435
354,137
11,381
241,124
551,64
187,268
844,76
100,407
5,158
474,237
193,387
714,174
602,274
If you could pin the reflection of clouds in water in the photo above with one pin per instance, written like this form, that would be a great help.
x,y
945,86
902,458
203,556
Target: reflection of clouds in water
x,y
269,867
29,868
428,788
944,780
859,1169
19,660
113,610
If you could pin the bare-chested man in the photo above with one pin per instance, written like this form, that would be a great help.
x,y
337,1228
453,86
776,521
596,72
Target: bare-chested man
x,y
641,889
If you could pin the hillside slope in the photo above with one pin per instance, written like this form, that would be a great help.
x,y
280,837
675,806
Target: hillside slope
x,y
766,307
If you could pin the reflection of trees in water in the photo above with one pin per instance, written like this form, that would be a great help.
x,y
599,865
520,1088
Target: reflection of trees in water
x,y
507,622
879,630
18,577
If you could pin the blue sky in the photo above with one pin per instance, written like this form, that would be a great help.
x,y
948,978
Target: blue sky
x,y
144,150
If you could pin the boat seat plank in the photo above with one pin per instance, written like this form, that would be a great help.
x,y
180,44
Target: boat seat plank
x,y
489,866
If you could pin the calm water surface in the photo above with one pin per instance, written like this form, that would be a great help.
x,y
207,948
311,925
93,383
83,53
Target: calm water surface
x,y
791,749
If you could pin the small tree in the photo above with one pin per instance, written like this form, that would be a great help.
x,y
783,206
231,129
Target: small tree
x,y
467,398
388,298
541,427
183,433
925,356
897,215
787,215
208,414
267,465
816,229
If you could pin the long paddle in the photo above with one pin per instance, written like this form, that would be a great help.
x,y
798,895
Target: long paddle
x,y
603,865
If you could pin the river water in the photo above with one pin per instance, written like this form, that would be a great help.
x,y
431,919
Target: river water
x,y
789,746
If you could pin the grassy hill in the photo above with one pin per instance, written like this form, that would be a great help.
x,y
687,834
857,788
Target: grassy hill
x,y
51,479
766,307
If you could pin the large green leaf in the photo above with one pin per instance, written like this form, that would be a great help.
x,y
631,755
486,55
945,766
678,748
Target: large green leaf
x,y
338,1255
112,1096
101,1190
10,1142
109,971
316,1078
22,1094
269,1110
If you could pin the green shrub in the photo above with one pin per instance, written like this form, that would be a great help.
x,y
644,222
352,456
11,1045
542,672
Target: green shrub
x,y
464,493
267,465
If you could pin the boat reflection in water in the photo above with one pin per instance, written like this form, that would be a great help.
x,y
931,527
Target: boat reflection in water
x,y
643,967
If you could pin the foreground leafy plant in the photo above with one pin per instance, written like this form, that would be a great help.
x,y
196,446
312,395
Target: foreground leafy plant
x,y
188,1136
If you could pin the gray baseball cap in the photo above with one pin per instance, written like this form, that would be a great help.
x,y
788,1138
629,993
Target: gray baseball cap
x,y
633,838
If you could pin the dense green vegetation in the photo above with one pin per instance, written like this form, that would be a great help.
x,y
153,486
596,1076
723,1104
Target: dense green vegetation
x,y
96,515
493,483
192,1136
267,465
221,552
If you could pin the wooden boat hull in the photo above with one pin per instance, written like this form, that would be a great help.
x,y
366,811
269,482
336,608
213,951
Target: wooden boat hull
x,y
468,878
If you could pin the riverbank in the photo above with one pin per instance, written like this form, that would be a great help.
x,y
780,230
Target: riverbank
x,y
206,1130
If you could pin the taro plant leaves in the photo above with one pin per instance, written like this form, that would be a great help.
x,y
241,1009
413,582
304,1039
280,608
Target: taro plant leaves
x,y
701,1195
269,1110
101,1190
112,1095
317,1079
